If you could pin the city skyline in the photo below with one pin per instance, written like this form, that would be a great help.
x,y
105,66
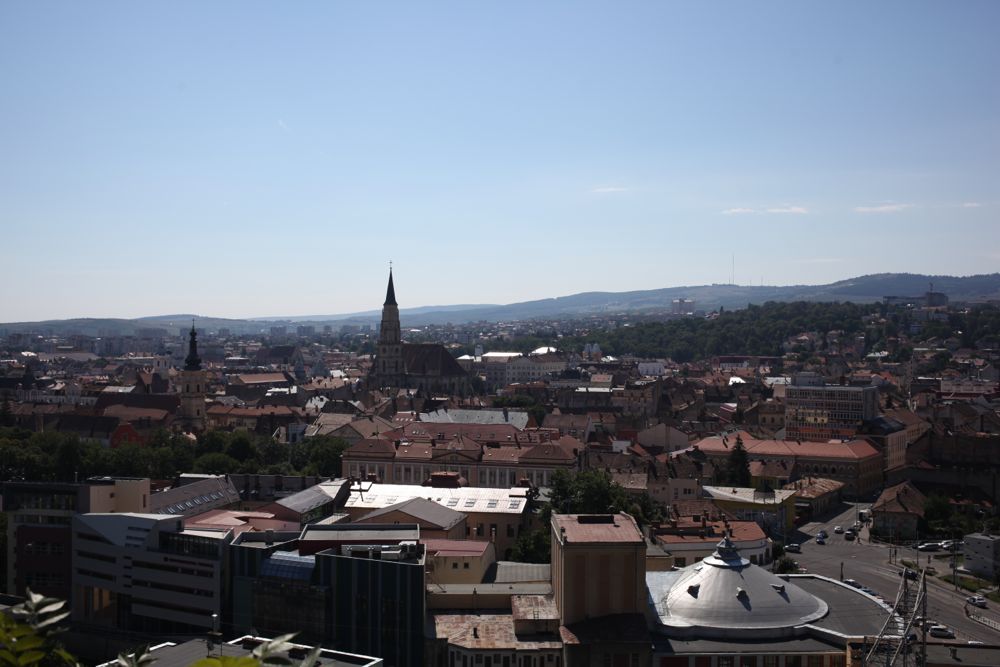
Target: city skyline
x,y
245,160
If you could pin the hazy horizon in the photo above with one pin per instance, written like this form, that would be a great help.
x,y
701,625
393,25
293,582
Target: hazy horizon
x,y
242,158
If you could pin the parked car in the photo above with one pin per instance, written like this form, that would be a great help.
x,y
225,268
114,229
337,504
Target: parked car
x,y
941,631
823,534
929,546
976,601
853,583
793,548
849,536
838,529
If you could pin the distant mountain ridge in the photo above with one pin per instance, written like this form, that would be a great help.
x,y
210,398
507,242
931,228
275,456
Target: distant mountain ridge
x,y
863,289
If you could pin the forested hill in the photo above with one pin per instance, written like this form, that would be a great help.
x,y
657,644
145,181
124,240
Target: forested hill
x,y
762,330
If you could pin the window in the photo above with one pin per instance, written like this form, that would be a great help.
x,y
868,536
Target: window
x,y
465,566
454,566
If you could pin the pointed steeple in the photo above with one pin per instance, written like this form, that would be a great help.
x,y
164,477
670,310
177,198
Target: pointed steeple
x,y
390,292
193,361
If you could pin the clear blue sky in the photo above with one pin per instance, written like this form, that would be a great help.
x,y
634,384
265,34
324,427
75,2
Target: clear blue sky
x,y
249,159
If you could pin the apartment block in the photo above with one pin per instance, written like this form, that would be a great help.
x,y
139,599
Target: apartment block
x,y
818,412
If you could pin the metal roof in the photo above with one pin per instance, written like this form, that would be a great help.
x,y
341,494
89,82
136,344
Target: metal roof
x,y
725,596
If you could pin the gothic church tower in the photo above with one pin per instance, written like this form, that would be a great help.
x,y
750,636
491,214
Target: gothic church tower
x,y
389,369
193,386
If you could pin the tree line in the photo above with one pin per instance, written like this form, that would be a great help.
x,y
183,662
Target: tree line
x,y
65,457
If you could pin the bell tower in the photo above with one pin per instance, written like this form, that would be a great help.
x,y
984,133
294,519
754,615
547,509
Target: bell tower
x,y
193,388
389,360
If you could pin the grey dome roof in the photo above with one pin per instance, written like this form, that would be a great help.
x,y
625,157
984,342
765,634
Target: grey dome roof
x,y
725,596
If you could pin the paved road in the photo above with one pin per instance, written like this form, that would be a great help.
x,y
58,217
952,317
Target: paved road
x,y
869,564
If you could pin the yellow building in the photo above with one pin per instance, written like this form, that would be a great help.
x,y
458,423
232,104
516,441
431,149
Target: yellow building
x,y
774,510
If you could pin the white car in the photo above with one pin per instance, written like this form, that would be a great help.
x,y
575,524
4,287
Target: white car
x,y
976,601
941,632
838,529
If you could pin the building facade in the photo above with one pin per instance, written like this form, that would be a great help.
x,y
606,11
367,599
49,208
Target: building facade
x,y
819,412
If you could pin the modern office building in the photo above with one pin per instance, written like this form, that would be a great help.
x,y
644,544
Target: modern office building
x,y
39,535
819,412
147,573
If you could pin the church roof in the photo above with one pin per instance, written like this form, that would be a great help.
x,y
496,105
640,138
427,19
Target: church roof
x,y
430,359
390,292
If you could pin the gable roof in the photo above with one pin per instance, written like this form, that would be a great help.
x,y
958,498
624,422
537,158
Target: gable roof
x,y
430,359
903,498
423,510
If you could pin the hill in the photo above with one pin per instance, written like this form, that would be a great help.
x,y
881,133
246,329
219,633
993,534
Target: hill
x,y
863,289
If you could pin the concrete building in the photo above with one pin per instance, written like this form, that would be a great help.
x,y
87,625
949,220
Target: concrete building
x,y
39,533
819,412
982,555
356,588
147,573
598,566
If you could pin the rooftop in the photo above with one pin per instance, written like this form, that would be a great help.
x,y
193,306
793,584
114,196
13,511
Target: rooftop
x,y
597,529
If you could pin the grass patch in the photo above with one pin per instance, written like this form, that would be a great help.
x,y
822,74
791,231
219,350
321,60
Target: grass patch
x,y
971,584
947,556
910,564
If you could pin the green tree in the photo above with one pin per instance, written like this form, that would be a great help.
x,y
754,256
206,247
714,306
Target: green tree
x,y
215,463
738,465
324,455
533,546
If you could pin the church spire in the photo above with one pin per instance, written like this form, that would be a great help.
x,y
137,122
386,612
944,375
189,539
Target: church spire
x,y
390,292
193,361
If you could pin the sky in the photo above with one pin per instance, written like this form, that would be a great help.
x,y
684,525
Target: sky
x,y
243,159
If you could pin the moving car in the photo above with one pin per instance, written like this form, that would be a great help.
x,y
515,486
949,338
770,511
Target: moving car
x,y
848,536
838,529
977,601
820,540
929,546
908,573
793,548
823,534
941,631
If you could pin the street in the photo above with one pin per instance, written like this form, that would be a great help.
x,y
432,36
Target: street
x,y
868,563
